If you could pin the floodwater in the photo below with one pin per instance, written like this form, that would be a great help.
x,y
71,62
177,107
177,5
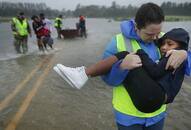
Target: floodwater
x,y
33,97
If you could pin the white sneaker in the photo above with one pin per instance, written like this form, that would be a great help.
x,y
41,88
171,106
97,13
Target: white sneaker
x,y
76,76
60,73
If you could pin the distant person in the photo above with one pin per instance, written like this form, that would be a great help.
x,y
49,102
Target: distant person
x,y
157,87
82,26
21,29
58,25
41,32
47,25
46,21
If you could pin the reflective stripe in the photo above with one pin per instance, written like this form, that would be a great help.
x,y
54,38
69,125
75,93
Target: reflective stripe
x,y
161,34
121,99
14,20
130,45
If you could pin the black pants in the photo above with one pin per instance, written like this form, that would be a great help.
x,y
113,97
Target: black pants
x,y
58,32
83,32
147,95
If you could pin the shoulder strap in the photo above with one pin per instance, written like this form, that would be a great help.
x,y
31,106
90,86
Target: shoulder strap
x,y
120,43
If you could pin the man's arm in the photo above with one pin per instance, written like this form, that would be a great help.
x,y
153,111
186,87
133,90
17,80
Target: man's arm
x,y
34,27
13,27
28,28
116,75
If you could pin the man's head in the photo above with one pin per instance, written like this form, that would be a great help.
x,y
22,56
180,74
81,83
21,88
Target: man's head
x,y
21,16
148,20
41,15
35,18
177,38
60,16
81,17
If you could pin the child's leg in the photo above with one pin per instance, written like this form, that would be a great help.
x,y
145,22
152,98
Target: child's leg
x,y
101,67
147,95
39,43
77,77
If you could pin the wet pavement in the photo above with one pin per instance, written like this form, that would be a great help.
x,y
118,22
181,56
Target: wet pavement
x,y
34,97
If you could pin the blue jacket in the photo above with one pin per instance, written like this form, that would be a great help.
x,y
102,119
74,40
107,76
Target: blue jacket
x,y
116,75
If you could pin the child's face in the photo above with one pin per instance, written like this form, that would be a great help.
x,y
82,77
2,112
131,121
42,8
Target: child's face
x,y
167,45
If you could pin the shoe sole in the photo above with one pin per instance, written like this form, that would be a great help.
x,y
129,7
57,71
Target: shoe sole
x,y
59,72
61,68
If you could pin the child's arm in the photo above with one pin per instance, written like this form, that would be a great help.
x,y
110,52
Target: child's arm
x,y
172,82
153,69
102,67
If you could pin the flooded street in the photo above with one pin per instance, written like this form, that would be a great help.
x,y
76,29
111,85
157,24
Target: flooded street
x,y
34,97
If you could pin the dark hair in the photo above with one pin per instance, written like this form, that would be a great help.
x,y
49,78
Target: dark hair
x,y
149,13
41,14
21,13
33,17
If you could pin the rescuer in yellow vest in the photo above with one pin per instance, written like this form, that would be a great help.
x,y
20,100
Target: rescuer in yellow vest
x,y
58,25
21,29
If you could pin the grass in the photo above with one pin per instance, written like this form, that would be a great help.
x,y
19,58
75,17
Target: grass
x,y
5,19
167,18
177,18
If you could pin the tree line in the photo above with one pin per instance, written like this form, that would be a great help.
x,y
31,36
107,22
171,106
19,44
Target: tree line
x,y
115,10
8,9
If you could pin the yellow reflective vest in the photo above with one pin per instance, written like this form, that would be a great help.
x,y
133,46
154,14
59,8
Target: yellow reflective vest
x,y
56,22
121,99
21,27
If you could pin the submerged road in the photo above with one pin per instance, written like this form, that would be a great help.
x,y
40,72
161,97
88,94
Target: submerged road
x,y
34,97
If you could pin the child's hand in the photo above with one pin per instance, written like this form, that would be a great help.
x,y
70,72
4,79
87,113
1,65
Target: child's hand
x,y
131,61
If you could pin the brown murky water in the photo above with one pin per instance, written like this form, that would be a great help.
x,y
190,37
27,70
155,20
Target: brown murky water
x,y
33,97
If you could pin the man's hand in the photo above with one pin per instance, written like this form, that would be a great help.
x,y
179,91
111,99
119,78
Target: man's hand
x,y
176,58
30,34
131,61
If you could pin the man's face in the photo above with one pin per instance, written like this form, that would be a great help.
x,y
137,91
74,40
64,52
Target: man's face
x,y
22,17
167,45
37,19
150,32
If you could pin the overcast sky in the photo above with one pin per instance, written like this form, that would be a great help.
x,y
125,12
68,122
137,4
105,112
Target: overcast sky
x,y
71,4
